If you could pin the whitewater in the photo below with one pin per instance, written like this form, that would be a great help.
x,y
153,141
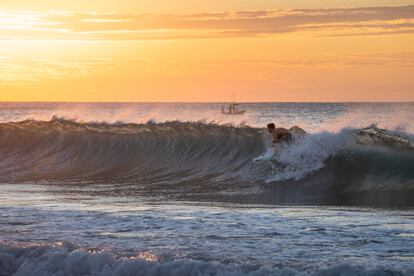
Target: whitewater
x,y
181,189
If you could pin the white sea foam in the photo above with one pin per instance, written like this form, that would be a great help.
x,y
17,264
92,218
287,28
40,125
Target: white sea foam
x,y
312,153
69,260
309,155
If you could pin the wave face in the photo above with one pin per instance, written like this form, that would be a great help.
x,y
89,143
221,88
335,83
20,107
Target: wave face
x,y
200,158
64,150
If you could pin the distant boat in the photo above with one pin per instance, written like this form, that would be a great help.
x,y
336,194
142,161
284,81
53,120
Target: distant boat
x,y
232,110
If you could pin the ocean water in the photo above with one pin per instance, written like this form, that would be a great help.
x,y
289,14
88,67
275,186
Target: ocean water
x,y
181,189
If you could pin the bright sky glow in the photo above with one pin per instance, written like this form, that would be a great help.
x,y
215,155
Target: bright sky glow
x,y
204,50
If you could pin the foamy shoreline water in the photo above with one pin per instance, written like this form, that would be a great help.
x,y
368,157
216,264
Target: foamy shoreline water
x,y
55,233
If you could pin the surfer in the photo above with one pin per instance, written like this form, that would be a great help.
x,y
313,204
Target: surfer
x,y
283,135
279,134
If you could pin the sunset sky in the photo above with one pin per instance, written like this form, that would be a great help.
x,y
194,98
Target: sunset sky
x,y
165,50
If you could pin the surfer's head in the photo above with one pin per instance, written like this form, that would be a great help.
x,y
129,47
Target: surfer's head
x,y
271,127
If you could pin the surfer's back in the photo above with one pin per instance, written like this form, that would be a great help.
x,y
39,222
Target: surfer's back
x,y
281,134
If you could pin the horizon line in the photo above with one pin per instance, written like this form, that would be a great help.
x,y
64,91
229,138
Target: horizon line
x,y
206,102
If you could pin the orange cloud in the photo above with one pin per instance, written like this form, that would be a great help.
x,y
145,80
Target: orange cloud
x,y
133,26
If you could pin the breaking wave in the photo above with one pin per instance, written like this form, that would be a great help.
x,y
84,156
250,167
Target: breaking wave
x,y
212,157
68,259
384,151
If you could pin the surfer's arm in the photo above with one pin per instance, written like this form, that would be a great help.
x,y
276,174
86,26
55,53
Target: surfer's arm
x,y
275,139
275,142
